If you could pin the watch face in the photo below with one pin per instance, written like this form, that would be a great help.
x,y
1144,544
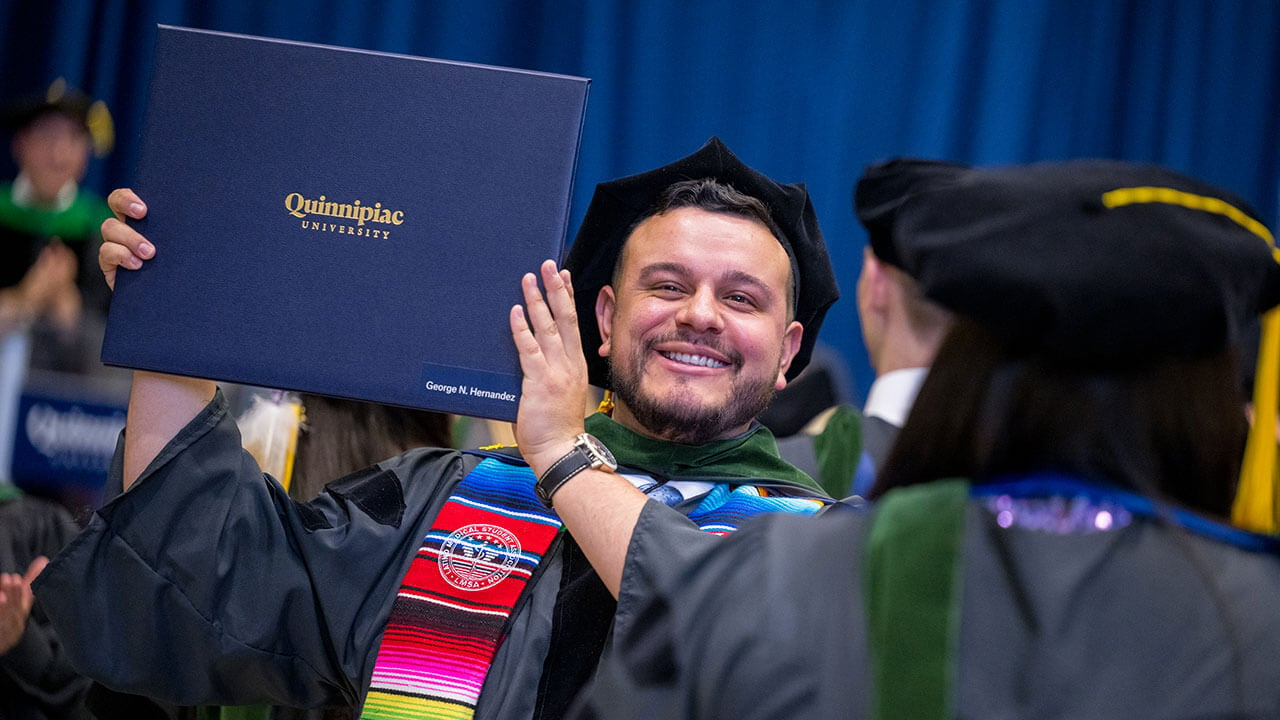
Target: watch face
x,y
600,455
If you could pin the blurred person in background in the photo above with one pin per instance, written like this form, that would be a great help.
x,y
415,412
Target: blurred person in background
x,y
49,228
49,288
37,680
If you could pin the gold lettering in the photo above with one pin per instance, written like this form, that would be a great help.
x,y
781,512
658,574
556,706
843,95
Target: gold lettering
x,y
293,203
300,206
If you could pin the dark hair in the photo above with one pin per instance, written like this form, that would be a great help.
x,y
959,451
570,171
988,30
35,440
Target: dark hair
x,y
714,196
1172,429
339,437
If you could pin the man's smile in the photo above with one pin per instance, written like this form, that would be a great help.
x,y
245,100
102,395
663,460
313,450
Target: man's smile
x,y
692,359
683,350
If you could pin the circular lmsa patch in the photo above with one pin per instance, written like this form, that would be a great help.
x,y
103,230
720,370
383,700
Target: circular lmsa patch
x,y
479,556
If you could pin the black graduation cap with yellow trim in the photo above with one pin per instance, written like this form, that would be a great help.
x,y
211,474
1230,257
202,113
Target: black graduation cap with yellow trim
x,y
61,98
618,205
1098,263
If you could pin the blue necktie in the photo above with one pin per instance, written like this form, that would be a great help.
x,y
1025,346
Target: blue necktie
x,y
662,492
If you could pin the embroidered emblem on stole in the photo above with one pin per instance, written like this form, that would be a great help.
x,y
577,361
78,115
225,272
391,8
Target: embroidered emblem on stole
x,y
446,621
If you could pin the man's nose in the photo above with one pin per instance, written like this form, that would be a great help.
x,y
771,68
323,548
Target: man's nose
x,y
702,311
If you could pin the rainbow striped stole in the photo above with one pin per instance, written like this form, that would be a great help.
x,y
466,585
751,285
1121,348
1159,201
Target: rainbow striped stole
x,y
463,584
726,507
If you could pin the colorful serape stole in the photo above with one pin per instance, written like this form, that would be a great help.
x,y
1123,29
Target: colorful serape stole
x,y
726,507
446,622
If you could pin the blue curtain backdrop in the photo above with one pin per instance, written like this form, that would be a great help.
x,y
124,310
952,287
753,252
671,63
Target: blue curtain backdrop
x,y
806,90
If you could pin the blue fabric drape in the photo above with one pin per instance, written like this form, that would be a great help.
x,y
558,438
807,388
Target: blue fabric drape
x,y
806,91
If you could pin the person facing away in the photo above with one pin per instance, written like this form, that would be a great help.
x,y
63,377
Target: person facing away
x,y
901,330
701,284
1049,537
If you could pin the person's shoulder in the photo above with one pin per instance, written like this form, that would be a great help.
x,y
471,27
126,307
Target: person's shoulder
x,y
427,463
417,478
428,467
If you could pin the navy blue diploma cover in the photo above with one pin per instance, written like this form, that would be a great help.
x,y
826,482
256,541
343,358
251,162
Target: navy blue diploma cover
x,y
343,222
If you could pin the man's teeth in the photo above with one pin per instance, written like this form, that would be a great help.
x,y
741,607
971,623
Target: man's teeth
x,y
694,360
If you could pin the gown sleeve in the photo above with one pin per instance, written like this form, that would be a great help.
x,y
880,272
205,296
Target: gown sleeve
x,y
206,584
713,629
664,544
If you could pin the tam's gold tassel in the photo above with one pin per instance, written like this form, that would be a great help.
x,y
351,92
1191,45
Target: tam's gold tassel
x,y
1256,507
606,403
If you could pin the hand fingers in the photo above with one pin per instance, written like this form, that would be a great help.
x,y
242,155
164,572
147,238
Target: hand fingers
x,y
122,247
58,263
126,203
547,325
541,320
526,344
559,298
59,252
118,232
112,256
50,262
553,314
15,590
35,568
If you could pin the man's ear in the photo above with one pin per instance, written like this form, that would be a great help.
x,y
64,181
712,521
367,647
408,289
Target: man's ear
x,y
790,346
879,283
605,304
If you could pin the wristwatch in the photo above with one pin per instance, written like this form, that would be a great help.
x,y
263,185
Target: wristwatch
x,y
587,452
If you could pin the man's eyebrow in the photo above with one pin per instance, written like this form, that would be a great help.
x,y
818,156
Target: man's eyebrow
x,y
741,277
732,277
661,267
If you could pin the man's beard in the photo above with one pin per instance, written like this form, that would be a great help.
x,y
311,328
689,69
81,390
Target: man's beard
x,y
677,419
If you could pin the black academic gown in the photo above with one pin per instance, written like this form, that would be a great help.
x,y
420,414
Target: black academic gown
x,y
210,586
1146,621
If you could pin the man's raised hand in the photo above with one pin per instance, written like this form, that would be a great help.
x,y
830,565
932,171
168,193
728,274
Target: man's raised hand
x,y
122,246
